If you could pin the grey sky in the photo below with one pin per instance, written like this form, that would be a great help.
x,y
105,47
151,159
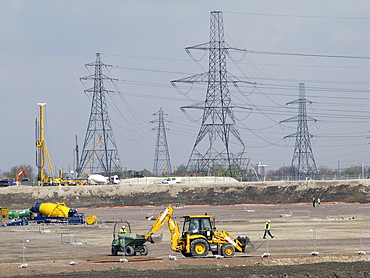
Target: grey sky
x,y
45,45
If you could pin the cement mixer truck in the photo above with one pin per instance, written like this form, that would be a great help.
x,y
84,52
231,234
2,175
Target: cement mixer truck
x,y
45,213
59,212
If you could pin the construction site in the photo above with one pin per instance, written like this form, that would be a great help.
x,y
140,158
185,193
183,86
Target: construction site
x,y
218,215
304,236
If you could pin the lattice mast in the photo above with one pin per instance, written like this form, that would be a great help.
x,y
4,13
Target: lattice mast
x,y
99,153
162,162
212,152
303,162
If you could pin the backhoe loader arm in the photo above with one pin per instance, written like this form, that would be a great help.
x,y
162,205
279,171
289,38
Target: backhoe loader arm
x,y
173,228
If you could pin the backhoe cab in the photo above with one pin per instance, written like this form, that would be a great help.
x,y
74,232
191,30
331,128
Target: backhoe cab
x,y
199,236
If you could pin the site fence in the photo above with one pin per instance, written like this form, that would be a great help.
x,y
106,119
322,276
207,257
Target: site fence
x,y
300,178
32,246
313,240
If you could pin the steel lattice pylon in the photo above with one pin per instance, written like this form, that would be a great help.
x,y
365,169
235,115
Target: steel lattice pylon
x,y
162,163
99,153
212,153
303,162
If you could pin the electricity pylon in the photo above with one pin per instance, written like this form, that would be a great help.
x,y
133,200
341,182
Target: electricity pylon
x,y
99,153
303,162
218,148
162,163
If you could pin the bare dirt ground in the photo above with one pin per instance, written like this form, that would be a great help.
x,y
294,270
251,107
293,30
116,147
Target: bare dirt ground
x,y
337,232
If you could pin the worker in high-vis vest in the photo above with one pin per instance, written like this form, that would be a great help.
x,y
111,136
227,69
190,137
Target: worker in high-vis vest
x,y
267,230
123,230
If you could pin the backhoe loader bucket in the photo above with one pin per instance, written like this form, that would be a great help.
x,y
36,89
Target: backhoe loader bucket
x,y
246,243
156,239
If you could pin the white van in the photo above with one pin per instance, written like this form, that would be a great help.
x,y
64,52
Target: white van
x,y
172,180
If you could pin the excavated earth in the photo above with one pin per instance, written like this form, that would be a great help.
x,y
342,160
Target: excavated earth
x,y
112,201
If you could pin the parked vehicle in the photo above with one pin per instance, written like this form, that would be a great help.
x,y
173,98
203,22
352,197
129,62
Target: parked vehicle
x,y
4,183
172,180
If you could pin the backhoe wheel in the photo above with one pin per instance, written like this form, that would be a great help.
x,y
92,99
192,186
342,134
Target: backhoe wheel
x,y
144,250
130,251
227,250
114,250
199,248
183,252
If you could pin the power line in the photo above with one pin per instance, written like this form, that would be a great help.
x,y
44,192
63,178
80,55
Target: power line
x,y
301,16
305,54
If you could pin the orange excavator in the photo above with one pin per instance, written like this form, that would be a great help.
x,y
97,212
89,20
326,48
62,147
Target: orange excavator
x,y
20,172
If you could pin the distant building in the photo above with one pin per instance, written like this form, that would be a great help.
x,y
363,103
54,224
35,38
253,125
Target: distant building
x,y
261,169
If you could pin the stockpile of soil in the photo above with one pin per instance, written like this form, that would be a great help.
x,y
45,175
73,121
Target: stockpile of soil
x,y
137,194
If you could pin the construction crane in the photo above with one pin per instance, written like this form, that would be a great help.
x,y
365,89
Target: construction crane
x,y
43,157
42,153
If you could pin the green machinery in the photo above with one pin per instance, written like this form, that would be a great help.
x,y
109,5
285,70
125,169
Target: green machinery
x,y
128,243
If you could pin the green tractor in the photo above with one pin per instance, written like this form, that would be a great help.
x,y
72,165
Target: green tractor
x,y
126,241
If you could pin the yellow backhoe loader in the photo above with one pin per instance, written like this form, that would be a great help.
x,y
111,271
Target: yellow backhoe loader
x,y
199,236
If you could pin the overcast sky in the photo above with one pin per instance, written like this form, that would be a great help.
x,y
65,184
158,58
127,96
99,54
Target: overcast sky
x,y
46,44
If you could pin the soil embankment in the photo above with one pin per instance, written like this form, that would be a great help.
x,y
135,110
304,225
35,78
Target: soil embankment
x,y
136,194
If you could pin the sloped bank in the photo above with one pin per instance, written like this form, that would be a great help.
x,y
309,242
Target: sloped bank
x,y
135,194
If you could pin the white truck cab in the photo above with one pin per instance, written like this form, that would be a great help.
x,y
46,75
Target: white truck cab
x,y
172,180
114,179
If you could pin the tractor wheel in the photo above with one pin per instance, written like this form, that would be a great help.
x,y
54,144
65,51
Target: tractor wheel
x,y
130,251
199,248
114,250
144,250
227,250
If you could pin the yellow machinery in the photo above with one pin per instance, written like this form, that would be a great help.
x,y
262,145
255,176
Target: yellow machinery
x,y
44,157
4,213
67,181
91,219
42,150
199,236
54,210
47,213
59,212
